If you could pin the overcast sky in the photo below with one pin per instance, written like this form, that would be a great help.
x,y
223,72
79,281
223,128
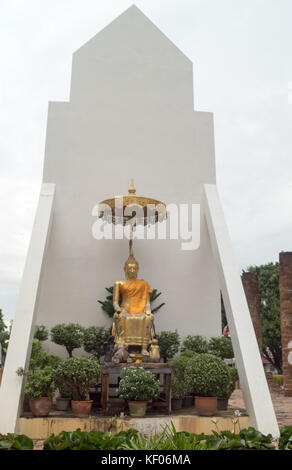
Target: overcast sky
x,y
242,55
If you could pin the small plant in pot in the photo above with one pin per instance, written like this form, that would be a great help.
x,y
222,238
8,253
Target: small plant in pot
x,y
178,365
178,392
39,388
78,374
228,390
138,386
64,400
207,375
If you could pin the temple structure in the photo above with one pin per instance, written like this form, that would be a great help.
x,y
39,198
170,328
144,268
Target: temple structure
x,y
130,115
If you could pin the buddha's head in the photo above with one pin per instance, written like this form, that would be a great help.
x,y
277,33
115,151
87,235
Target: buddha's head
x,y
131,266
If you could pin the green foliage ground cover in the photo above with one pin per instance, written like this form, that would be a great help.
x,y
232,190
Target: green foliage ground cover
x,y
167,439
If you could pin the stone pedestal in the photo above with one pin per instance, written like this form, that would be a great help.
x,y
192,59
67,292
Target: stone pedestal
x,y
286,318
251,287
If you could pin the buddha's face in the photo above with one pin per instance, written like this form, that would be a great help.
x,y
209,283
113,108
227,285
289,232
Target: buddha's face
x,y
131,270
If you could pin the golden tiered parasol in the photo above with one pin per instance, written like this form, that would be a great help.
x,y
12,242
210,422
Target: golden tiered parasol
x,y
142,210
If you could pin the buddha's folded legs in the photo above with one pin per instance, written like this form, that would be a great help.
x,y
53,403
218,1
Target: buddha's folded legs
x,y
133,330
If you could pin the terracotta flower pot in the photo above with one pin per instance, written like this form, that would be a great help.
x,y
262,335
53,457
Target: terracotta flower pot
x,y
81,408
41,406
206,406
137,408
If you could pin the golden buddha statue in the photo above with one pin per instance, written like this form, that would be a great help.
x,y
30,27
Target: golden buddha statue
x,y
133,323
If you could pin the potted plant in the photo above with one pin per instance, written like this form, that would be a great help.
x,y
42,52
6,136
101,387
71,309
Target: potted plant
x,y
64,400
78,374
69,335
138,386
169,343
206,375
227,391
178,364
39,388
178,391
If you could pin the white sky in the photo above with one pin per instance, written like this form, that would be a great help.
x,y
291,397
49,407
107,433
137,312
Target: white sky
x,y
242,54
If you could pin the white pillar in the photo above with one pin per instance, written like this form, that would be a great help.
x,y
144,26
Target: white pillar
x,y
19,349
250,367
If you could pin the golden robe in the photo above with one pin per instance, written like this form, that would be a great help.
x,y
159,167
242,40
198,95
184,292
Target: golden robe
x,y
133,326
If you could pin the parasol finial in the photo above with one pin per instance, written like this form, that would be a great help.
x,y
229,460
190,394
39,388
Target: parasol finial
x,y
132,190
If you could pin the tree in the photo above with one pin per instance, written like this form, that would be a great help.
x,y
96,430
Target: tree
x,y
4,337
68,335
95,340
169,343
268,275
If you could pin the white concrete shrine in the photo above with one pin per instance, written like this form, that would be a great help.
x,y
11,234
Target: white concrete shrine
x,y
130,115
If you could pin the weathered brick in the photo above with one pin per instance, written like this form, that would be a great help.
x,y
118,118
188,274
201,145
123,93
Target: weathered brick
x,y
286,318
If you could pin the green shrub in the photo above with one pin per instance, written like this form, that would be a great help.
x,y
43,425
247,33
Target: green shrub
x,y
180,386
138,384
227,391
77,374
221,346
41,333
285,441
95,340
39,383
196,343
207,375
187,354
68,335
40,358
169,343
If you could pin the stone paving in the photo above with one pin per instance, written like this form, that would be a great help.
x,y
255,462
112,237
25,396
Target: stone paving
x,y
282,405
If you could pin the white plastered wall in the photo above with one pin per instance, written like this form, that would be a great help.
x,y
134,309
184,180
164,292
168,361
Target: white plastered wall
x,y
130,115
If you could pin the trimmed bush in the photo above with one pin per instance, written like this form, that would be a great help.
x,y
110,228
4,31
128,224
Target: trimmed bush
x,y
39,384
138,384
195,343
95,340
221,346
40,359
207,375
227,391
180,386
68,335
41,333
77,375
169,343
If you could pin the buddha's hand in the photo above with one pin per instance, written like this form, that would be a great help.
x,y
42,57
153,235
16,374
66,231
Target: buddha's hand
x,y
117,308
148,309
